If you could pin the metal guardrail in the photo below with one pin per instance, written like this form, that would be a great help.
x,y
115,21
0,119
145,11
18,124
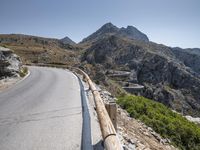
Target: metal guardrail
x,y
111,141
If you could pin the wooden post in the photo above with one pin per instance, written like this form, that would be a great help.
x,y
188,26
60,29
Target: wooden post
x,y
112,112
107,108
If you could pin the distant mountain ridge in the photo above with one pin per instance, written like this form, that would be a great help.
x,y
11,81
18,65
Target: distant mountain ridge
x,y
7,38
110,29
195,51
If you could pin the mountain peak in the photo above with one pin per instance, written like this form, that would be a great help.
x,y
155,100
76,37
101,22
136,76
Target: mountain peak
x,y
134,33
106,29
131,28
67,40
108,25
110,29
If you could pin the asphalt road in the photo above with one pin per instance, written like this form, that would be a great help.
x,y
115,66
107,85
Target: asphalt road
x,y
42,112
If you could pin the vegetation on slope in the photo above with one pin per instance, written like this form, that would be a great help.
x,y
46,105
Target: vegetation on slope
x,y
23,71
38,50
182,133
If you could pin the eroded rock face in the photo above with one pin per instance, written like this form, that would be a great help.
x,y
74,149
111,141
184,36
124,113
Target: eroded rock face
x,y
9,63
190,57
166,79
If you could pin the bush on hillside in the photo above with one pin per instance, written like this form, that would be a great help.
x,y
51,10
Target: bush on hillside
x,y
23,71
183,133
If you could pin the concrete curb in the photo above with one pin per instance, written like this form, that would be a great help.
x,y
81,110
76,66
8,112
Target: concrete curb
x,y
86,142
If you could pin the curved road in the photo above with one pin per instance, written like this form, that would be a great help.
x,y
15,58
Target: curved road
x,y
43,112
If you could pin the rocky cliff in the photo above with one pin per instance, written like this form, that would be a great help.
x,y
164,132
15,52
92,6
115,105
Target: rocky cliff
x,y
9,63
189,57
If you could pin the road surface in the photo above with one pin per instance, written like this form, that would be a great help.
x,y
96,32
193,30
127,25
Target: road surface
x,y
43,112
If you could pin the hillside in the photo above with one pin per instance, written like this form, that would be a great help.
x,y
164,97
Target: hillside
x,y
165,75
34,49
167,123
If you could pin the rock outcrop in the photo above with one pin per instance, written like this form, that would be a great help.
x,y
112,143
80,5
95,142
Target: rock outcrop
x,y
190,58
9,63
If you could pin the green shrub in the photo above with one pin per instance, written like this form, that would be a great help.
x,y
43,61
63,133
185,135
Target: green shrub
x,y
23,71
183,133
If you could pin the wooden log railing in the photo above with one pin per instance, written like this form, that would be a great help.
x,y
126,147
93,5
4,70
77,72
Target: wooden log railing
x,y
111,141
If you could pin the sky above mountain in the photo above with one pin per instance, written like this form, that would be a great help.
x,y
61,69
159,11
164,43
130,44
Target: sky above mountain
x,y
170,22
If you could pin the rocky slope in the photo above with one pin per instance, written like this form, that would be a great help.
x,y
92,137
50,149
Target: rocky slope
x,y
190,58
136,135
166,77
10,63
132,133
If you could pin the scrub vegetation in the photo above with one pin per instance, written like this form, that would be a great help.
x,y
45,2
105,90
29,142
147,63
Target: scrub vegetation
x,y
183,133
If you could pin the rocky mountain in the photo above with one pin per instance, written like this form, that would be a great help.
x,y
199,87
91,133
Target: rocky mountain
x,y
166,77
67,40
110,29
9,63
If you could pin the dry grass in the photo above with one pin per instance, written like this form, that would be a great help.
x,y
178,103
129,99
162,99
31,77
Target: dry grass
x,y
38,50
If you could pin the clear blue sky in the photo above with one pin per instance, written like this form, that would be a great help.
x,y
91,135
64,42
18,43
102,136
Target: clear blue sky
x,y
170,22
